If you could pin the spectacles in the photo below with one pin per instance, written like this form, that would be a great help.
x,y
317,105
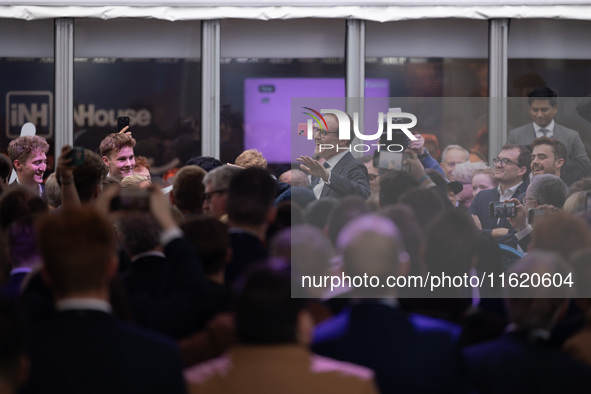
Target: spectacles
x,y
373,177
207,196
504,162
524,200
323,132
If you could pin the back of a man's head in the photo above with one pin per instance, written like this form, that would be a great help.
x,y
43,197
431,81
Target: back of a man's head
x,y
537,307
188,189
250,197
266,313
548,189
5,168
220,177
451,243
89,176
21,239
251,158
393,185
139,232
208,163
19,202
77,245
211,240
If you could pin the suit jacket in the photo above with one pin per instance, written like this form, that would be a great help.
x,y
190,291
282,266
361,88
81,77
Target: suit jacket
x,y
88,351
272,369
409,354
348,177
247,249
514,364
577,164
12,287
480,207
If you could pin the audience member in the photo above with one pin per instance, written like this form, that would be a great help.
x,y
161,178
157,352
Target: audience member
x,y
452,155
393,185
583,184
251,158
521,360
217,183
483,180
85,181
576,202
83,343
463,173
5,170
512,173
208,163
53,191
295,177
29,160
188,190
135,182
117,154
142,167
548,156
250,210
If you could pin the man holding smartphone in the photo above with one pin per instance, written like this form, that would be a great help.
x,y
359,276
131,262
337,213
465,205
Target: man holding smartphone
x,y
117,153
340,174
512,167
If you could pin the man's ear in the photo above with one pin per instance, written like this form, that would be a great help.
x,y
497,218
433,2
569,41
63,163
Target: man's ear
x,y
106,160
559,163
17,165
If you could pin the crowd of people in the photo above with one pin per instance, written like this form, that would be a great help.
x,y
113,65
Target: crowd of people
x,y
111,284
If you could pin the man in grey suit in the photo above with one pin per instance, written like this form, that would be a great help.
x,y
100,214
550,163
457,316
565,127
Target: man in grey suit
x,y
341,174
542,109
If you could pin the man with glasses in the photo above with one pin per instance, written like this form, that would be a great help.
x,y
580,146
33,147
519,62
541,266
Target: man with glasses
x,y
340,174
511,171
215,199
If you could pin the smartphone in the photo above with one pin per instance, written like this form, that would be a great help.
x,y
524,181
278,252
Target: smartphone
x,y
77,156
535,213
303,129
390,160
122,122
131,200
499,209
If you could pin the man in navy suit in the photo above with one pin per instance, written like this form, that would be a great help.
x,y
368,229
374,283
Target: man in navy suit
x,y
409,354
523,360
512,167
84,348
341,174
543,107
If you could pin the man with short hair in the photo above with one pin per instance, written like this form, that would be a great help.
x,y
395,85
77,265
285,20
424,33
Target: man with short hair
x,y
522,359
28,155
548,156
340,174
215,199
543,107
453,155
272,355
512,174
251,198
86,178
188,190
117,153
83,348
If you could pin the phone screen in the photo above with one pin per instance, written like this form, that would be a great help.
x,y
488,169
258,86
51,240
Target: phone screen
x,y
502,209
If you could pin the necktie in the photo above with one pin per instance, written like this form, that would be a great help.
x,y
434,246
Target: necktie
x,y
319,185
545,132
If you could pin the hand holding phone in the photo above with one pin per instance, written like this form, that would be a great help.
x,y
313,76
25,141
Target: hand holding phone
x,y
122,122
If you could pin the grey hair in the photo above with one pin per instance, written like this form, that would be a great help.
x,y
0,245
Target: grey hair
x,y
465,171
220,177
548,189
454,146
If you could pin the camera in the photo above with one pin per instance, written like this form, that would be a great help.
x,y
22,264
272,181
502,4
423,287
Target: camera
x,y
77,156
499,209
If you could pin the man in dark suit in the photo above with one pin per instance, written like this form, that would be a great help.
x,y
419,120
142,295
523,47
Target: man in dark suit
x,y
542,108
512,167
251,196
522,360
409,354
83,348
341,174
29,160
